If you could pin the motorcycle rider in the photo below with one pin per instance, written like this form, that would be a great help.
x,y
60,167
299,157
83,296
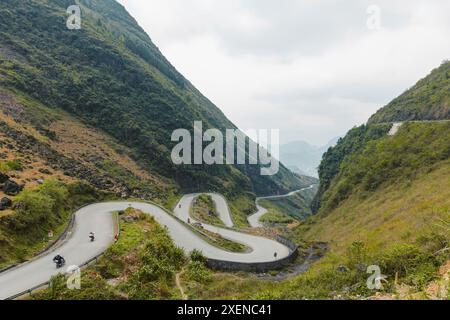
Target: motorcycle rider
x,y
59,260
92,236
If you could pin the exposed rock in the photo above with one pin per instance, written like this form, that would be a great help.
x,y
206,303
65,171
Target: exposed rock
x,y
11,188
5,203
3,177
45,171
28,144
130,218
40,181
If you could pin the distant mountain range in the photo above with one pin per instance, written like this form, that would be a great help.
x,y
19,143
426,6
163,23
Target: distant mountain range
x,y
304,158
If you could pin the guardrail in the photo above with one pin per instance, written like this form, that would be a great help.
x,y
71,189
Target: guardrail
x,y
257,266
242,266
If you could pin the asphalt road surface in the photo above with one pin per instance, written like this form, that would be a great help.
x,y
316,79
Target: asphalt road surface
x,y
253,220
77,248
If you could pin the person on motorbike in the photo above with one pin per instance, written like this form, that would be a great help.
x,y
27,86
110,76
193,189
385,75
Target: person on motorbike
x,y
92,236
59,260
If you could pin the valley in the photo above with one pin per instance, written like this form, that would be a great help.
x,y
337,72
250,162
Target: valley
x,y
100,133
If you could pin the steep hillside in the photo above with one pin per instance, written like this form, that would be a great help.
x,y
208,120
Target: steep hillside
x,y
394,184
332,160
111,77
384,199
427,100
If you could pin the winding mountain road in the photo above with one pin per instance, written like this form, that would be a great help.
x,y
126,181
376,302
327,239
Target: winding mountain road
x,y
98,218
253,220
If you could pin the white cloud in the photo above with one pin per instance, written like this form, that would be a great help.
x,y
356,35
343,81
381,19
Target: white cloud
x,y
310,68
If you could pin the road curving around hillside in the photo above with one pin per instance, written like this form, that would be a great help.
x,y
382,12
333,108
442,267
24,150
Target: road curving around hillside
x,y
98,218
254,220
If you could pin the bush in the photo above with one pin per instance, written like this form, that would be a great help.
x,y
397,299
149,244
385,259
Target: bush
x,y
160,260
7,166
14,165
197,271
414,265
197,256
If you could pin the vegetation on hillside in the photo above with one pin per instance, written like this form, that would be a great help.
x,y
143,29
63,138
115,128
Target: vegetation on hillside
x,y
384,200
427,100
204,210
37,212
111,76
297,206
415,149
355,140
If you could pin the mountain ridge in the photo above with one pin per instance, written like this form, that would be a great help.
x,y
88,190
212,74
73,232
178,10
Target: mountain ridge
x,y
428,99
110,75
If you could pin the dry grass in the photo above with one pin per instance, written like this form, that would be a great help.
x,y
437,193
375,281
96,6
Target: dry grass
x,y
398,214
82,143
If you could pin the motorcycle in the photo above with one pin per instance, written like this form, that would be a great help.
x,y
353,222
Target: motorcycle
x,y
60,262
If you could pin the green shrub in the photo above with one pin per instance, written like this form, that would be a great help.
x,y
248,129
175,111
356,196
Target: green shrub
x,y
412,264
197,256
197,271
14,165
6,166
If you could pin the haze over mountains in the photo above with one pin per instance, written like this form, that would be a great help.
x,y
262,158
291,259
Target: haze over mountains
x,y
304,158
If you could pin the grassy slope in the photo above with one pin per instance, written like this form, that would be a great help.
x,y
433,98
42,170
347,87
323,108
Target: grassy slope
x,y
394,214
390,201
416,148
204,210
85,146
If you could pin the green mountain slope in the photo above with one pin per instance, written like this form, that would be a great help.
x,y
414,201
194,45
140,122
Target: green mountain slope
x,y
384,199
110,76
428,100
389,160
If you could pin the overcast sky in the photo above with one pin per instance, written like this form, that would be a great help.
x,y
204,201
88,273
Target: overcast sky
x,y
311,68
